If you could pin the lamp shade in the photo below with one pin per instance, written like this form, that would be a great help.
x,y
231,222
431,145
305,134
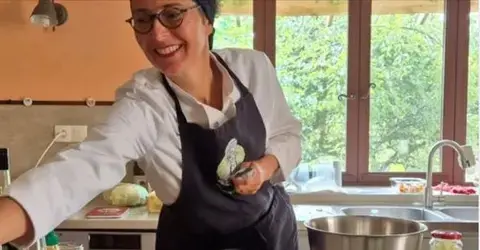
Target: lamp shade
x,y
44,14
62,14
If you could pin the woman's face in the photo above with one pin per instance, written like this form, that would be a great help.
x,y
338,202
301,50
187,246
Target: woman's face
x,y
172,50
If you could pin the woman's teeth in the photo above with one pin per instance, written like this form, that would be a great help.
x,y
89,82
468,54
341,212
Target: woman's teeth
x,y
168,50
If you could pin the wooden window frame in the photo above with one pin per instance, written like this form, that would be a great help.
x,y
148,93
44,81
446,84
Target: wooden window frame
x,y
462,70
357,128
264,27
448,128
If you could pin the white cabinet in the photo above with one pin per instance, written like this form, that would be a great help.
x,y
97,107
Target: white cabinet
x,y
470,243
303,240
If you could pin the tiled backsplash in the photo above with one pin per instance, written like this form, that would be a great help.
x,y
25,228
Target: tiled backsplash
x,y
27,131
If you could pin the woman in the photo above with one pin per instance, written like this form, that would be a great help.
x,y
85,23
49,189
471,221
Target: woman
x,y
211,130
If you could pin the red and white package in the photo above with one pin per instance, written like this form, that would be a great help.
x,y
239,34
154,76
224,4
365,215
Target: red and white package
x,y
107,213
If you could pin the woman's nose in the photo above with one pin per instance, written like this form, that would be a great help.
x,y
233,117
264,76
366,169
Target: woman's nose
x,y
159,32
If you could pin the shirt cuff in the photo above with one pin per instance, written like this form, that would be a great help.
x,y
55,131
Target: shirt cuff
x,y
279,175
33,215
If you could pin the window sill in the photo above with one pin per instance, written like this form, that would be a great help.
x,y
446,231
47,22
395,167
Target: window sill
x,y
375,195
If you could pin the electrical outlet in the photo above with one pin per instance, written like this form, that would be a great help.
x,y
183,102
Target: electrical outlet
x,y
74,133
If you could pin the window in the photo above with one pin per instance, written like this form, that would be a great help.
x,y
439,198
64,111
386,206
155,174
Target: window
x,y
311,62
373,83
473,86
234,25
406,96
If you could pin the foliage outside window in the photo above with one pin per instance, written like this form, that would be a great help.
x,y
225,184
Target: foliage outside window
x,y
407,68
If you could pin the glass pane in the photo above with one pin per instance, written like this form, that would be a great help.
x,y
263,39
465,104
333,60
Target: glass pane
x,y
473,110
234,25
311,62
406,105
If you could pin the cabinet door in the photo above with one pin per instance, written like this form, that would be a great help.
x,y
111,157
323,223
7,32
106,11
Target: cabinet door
x,y
470,243
74,237
303,240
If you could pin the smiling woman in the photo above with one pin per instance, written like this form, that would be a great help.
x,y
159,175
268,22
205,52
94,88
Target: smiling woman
x,y
177,52
198,122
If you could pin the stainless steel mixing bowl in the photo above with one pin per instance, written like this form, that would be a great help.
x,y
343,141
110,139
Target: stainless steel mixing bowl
x,y
364,233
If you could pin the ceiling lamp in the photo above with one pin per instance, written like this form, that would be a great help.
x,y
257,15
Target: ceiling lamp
x,y
49,14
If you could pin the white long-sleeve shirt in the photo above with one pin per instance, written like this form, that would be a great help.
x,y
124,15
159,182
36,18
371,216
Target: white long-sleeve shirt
x,y
143,126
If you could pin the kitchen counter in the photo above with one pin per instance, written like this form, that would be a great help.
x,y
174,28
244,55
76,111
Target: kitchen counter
x,y
144,223
139,219
320,204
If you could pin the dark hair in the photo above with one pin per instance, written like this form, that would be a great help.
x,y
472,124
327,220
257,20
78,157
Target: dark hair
x,y
209,8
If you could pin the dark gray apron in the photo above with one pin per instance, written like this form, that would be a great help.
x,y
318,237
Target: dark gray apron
x,y
206,217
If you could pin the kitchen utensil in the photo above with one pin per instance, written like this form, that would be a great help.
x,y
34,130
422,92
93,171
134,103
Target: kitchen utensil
x,y
364,233
242,172
227,186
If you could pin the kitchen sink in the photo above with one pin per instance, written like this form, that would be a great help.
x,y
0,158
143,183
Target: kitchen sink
x,y
408,213
461,213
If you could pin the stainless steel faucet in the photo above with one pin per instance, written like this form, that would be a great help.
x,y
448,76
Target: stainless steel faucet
x,y
463,161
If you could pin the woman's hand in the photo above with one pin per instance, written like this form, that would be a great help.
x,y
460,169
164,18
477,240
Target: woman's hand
x,y
262,170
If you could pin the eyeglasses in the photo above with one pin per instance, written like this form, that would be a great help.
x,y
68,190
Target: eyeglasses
x,y
143,21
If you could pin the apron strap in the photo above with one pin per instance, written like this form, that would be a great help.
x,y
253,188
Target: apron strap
x,y
243,90
180,116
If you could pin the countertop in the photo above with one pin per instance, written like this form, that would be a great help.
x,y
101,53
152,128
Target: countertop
x,y
305,205
139,218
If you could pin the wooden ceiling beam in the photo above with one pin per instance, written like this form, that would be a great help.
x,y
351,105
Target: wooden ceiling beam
x,y
338,7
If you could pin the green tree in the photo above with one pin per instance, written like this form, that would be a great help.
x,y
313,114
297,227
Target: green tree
x,y
406,68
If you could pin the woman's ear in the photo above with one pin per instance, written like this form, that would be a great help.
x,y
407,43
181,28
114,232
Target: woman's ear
x,y
209,29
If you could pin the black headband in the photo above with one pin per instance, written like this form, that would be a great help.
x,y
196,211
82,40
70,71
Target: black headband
x,y
209,8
